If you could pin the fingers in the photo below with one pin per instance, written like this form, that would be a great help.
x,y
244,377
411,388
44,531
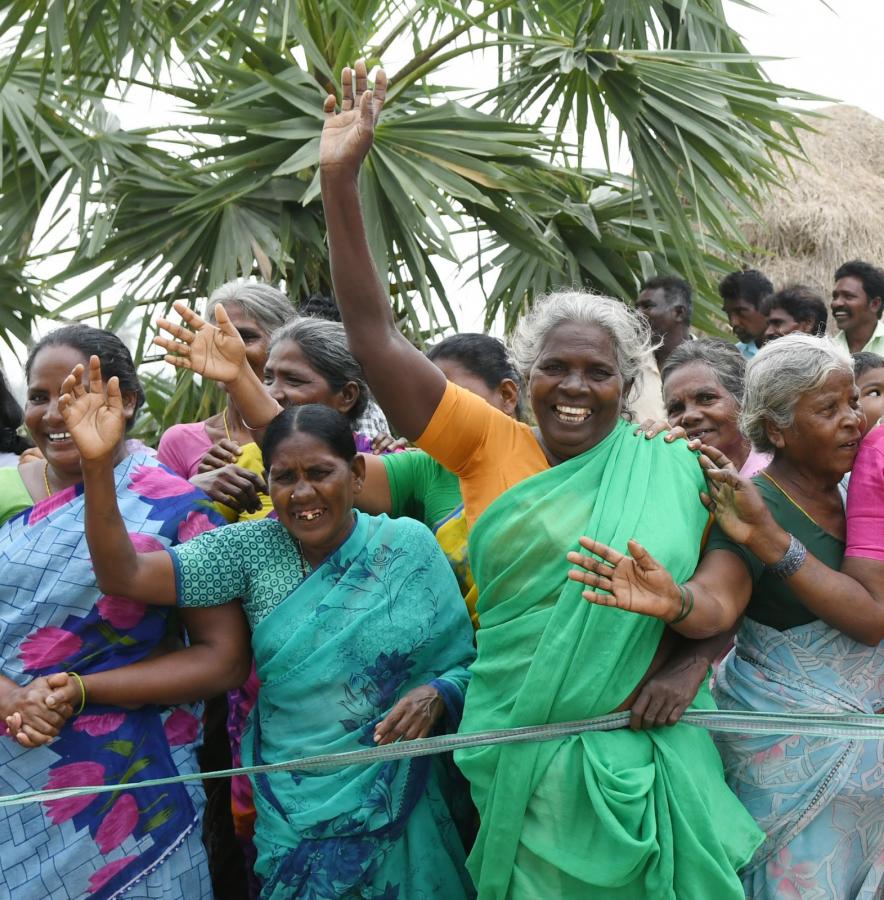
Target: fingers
x,y
223,323
676,434
361,79
96,385
643,559
191,316
717,457
609,554
185,335
29,737
380,92
346,90
328,107
387,730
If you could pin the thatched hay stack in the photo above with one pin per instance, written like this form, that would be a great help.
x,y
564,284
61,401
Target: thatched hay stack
x,y
830,208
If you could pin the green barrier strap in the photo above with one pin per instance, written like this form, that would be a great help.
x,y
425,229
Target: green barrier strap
x,y
841,726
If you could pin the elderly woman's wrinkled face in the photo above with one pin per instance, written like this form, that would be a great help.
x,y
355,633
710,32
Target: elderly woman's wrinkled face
x,y
292,381
697,400
256,338
827,428
576,389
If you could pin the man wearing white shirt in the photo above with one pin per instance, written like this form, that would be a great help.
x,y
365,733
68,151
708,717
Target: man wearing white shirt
x,y
857,301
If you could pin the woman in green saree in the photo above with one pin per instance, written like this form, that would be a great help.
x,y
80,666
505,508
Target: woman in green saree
x,y
360,637
616,815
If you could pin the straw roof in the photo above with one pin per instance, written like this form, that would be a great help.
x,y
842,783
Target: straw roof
x,y
830,208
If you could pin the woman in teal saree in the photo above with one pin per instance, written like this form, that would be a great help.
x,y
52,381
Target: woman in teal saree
x,y
360,638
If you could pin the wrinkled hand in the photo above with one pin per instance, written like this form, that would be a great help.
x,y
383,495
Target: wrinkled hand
x,y
233,486
386,443
31,455
94,417
218,352
637,583
650,428
739,508
347,136
412,717
668,693
36,713
221,454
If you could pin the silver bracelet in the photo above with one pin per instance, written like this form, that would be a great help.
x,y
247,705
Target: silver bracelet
x,y
792,560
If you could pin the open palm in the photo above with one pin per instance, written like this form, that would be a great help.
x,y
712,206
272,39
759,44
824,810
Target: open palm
x,y
635,582
218,352
347,136
94,417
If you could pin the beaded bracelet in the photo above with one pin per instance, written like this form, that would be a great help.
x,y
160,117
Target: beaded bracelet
x,y
687,604
79,681
792,561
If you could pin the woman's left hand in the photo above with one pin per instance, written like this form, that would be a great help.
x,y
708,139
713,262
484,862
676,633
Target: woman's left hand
x,y
668,693
386,443
412,717
42,708
650,428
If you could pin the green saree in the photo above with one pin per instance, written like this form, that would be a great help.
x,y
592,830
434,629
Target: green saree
x,y
616,815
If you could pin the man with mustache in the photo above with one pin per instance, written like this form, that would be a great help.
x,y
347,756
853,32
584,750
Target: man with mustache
x,y
857,300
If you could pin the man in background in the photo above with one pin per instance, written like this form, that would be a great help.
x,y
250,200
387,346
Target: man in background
x,y
742,294
856,307
666,302
795,308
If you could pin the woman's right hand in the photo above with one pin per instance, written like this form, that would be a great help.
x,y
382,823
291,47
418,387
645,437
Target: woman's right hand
x,y
220,454
233,486
36,713
636,583
347,136
94,417
218,352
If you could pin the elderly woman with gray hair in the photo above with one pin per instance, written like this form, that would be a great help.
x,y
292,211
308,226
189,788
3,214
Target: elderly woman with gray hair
x,y
630,814
810,636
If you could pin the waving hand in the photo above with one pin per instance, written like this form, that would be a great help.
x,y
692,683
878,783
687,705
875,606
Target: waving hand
x,y
218,352
94,417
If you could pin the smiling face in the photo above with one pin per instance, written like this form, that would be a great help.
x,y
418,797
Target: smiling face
x,y
312,490
49,368
292,381
696,400
823,438
576,389
256,339
747,321
871,395
852,308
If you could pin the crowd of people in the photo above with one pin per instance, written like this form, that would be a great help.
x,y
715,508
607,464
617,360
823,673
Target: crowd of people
x,y
609,514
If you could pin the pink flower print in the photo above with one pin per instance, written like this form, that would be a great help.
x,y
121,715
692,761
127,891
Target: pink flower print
x,y
118,824
775,752
72,775
181,727
155,483
48,646
121,612
195,523
100,724
796,879
100,878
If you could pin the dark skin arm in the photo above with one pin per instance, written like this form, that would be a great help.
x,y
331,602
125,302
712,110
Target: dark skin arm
x,y
365,310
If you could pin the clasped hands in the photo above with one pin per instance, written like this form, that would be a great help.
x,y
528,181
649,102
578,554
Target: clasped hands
x,y
35,713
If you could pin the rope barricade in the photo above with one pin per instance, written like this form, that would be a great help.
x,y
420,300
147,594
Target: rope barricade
x,y
838,726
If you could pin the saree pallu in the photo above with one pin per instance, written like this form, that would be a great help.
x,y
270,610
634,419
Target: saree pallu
x,y
606,815
381,616
53,618
820,801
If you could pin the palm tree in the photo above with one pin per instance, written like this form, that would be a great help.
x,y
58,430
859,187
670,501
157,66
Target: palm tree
x,y
233,189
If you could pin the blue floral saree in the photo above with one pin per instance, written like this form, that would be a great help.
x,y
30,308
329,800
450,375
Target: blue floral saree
x,y
53,618
381,616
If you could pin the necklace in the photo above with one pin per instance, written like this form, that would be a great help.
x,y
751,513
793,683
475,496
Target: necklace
x,y
226,426
301,560
46,479
790,498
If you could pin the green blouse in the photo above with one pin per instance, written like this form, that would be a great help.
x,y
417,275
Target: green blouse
x,y
773,603
257,562
420,487
14,496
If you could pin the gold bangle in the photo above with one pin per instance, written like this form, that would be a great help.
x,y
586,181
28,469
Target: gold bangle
x,y
82,692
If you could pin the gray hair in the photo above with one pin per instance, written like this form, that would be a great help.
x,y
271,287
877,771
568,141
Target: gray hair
x,y
267,305
724,359
781,373
629,331
324,344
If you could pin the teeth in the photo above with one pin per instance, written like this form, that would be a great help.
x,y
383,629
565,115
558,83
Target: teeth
x,y
59,436
310,516
572,414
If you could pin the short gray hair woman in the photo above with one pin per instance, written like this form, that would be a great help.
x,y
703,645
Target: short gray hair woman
x,y
268,306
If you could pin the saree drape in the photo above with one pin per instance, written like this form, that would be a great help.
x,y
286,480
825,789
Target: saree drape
x,y
379,617
617,815
53,618
820,800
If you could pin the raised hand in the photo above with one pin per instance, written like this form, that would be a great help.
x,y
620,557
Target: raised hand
x,y
94,417
739,509
218,352
347,136
637,583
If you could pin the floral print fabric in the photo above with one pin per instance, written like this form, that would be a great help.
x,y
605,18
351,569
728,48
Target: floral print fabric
x,y
54,618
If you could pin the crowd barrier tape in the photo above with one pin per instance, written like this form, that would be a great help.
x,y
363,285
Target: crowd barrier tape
x,y
837,726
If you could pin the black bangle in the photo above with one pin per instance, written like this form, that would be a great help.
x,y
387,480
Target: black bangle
x,y
687,604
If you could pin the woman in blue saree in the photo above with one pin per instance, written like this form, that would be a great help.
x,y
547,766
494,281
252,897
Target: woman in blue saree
x,y
54,619
359,635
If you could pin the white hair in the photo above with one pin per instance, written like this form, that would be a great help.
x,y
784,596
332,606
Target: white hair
x,y
267,305
629,331
780,374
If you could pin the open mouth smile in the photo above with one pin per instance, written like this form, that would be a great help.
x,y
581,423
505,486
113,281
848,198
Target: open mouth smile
x,y
309,515
573,415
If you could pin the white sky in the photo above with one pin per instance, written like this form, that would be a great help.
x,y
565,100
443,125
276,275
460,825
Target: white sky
x,y
833,50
